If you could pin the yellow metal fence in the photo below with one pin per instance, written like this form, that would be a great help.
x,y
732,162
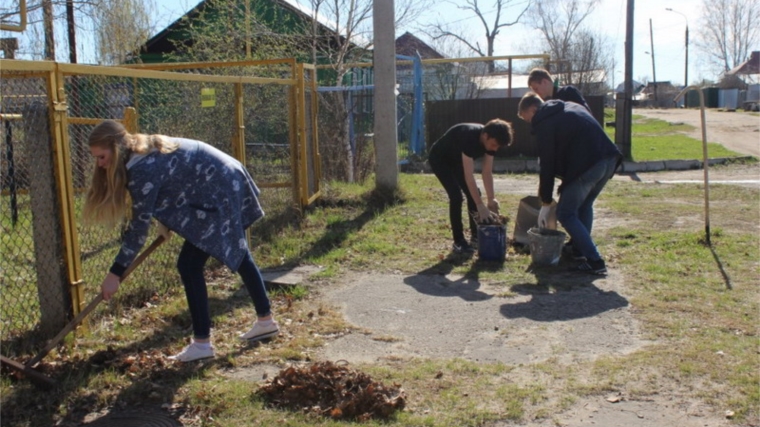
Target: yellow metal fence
x,y
263,113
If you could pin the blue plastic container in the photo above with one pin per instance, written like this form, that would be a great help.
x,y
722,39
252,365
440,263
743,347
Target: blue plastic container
x,y
492,242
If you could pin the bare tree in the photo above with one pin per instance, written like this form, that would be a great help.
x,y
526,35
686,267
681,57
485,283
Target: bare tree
x,y
453,80
122,26
493,19
591,61
341,33
729,31
579,56
559,21
101,20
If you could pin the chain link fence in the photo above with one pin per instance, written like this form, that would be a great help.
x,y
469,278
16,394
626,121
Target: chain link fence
x,y
51,264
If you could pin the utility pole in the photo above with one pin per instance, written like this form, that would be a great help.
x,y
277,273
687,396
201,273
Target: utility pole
x,y
47,17
72,31
386,135
623,107
686,60
654,75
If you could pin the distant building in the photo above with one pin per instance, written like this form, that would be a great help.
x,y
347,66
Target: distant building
x,y
279,16
748,70
410,45
516,85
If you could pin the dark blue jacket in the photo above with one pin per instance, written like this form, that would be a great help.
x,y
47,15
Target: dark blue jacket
x,y
570,141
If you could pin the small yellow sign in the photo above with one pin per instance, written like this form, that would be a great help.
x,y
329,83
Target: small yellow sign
x,y
208,97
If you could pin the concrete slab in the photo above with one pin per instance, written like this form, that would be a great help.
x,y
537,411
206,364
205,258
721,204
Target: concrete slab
x,y
568,317
289,277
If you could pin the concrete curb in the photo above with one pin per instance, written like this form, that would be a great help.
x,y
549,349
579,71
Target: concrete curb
x,y
505,166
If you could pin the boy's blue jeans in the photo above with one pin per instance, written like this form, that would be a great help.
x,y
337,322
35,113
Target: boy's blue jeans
x,y
191,263
575,209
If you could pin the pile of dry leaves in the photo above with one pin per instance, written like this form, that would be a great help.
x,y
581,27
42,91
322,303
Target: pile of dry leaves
x,y
334,390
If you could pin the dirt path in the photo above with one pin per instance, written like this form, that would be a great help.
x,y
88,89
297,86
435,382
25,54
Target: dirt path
x,y
738,131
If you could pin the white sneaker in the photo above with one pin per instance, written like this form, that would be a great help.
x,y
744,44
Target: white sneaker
x,y
193,352
260,332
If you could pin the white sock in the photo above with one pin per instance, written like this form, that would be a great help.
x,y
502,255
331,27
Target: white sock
x,y
202,345
265,322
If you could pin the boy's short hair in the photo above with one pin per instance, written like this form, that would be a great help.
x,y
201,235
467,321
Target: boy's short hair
x,y
501,131
538,74
528,100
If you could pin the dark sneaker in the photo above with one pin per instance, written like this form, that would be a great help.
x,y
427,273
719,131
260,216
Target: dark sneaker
x,y
591,267
462,248
571,252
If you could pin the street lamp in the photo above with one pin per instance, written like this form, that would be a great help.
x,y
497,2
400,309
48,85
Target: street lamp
x,y
686,61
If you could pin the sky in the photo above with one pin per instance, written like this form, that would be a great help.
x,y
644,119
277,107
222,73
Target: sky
x,y
608,19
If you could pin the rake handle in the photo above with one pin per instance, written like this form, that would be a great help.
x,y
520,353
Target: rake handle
x,y
91,306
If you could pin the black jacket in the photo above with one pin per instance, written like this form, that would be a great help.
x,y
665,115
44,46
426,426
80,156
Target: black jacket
x,y
570,141
570,94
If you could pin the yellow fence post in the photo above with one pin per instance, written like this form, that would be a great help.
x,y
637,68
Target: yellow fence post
x,y
62,161
130,120
303,173
238,137
314,137
295,160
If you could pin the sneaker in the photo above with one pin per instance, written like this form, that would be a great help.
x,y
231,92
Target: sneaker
x,y
193,352
570,251
260,331
462,248
591,267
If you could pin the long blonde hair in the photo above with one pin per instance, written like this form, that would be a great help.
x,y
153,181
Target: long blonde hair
x,y
107,198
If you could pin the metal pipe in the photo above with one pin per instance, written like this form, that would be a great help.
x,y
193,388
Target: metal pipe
x,y
22,19
686,60
704,154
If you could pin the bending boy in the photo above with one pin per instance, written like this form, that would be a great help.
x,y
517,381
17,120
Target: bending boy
x,y
573,147
452,160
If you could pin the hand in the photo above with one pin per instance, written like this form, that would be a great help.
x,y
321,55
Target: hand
x,y
543,216
164,231
493,206
484,215
110,286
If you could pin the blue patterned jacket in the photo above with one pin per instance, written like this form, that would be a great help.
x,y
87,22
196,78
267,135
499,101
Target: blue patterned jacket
x,y
197,191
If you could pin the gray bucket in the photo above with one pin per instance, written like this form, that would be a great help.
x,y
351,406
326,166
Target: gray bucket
x,y
545,245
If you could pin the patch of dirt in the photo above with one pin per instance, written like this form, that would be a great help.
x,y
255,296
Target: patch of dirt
x,y
620,411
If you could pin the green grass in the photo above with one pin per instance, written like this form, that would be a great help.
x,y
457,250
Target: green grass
x,y
653,139
704,337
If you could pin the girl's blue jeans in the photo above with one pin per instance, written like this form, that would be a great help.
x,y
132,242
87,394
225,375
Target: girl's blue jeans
x,y
191,263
